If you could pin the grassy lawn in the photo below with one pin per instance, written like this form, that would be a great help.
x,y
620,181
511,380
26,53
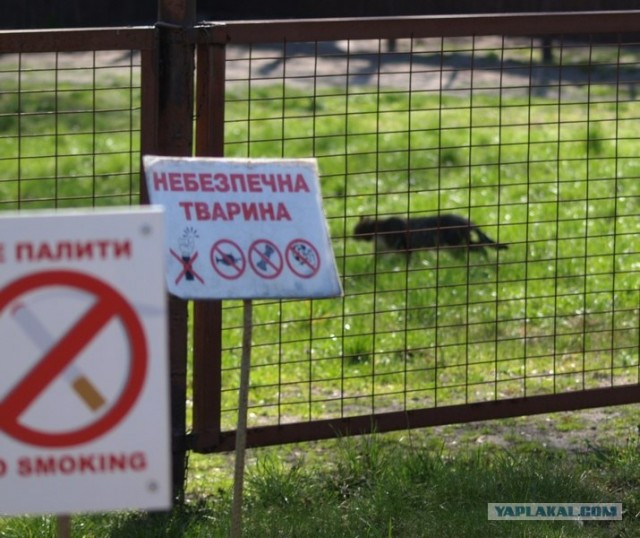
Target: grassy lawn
x,y
554,178
406,485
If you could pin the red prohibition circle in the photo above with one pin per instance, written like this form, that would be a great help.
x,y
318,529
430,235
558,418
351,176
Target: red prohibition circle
x,y
237,266
110,304
276,267
313,267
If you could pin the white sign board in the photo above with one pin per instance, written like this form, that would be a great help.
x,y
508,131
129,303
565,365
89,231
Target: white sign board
x,y
84,404
243,228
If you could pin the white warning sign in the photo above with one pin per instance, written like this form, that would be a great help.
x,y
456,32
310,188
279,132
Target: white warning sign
x,y
243,228
84,372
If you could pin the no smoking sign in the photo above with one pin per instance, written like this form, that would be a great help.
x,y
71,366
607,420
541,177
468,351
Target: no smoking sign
x,y
84,374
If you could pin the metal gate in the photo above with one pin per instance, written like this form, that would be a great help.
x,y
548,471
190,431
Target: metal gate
x,y
513,121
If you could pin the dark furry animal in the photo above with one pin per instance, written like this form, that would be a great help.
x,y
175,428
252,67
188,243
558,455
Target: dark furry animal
x,y
446,231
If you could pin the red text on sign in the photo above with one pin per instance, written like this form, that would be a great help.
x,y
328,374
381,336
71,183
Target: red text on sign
x,y
234,210
3,467
220,182
100,249
68,464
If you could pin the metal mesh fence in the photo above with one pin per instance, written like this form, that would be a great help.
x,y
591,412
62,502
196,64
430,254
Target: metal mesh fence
x,y
537,150
69,129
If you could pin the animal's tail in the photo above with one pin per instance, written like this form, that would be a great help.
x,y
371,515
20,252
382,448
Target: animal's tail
x,y
485,241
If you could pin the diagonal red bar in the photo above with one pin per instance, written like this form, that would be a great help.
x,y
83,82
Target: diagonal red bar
x,y
266,259
63,353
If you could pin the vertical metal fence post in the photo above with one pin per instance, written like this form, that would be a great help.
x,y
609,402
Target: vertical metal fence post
x,y
207,315
176,19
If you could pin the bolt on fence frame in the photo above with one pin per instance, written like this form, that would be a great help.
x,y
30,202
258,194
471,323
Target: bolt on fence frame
x,y
212,40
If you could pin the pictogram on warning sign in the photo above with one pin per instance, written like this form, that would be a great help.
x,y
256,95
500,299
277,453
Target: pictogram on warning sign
x,y
58,357
227,259
187,271
303,258
265,259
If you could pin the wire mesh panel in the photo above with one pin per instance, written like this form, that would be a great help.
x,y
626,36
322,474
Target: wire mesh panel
x,y
483,199
69,128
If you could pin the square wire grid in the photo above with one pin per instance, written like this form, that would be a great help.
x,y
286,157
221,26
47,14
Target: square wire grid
x,y
69,129
539,151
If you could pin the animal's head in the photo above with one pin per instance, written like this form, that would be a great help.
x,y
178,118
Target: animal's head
x,y
365,229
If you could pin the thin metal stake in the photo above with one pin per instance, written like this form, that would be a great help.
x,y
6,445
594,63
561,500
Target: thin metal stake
x,y
241,432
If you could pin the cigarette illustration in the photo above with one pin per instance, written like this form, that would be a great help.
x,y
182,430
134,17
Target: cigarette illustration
x,y
39,335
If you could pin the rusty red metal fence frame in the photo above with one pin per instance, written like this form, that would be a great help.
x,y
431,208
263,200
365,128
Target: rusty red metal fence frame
x,y
293,88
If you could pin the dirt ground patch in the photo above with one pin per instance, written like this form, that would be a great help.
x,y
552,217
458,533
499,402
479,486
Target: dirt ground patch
x,y
570,430
506,67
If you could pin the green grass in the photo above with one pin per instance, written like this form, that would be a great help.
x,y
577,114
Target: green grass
x,y
68,143
558,311
408,485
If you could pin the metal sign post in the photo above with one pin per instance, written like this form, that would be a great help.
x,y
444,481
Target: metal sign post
x,y
241,430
